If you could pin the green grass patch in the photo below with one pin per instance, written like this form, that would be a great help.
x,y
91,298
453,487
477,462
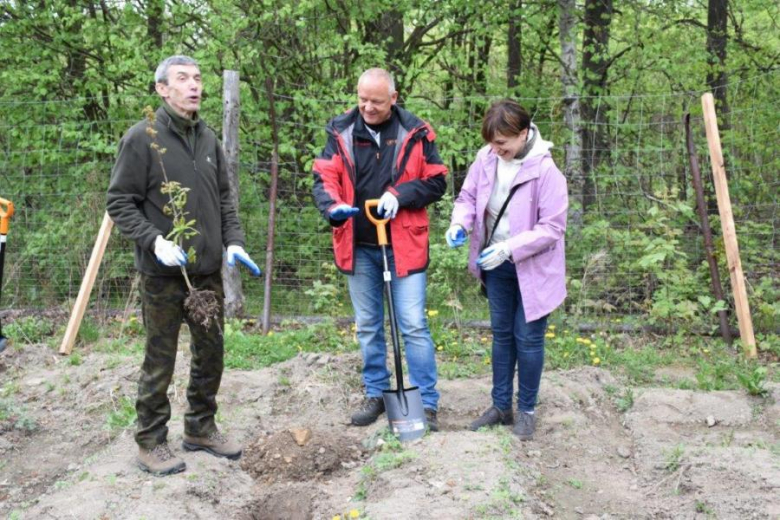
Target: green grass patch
x,y
122,416
248,350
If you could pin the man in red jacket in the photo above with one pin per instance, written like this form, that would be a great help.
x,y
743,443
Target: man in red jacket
x,y
378,150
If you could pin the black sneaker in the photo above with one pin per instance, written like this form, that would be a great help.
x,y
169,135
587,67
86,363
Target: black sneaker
x,y
525,426
369,412
431,419
492,416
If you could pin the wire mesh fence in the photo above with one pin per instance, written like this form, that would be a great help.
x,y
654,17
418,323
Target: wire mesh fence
x,y
635,256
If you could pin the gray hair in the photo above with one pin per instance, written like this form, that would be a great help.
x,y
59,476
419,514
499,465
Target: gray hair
x,y
379,74
161,74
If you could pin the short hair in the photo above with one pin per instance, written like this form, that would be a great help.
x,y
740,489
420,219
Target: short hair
x,y
505,117
379,73
161,74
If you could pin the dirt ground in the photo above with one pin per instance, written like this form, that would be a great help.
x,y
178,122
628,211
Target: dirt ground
x,y
672,454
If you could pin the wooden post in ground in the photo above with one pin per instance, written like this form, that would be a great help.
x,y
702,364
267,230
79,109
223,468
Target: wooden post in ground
x,y
729,231
231,278
86,285
701,205
269,246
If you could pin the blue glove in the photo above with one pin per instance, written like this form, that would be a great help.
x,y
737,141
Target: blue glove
x,y
494,256
343,212
237,253
388,206
456,236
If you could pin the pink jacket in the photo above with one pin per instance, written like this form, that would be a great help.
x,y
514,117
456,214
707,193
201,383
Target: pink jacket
x,y
537,221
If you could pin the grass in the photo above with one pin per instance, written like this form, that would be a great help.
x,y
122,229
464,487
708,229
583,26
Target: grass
x,y
122,416
246,350
391,454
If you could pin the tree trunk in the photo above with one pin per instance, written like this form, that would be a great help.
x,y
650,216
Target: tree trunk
x,y
717,37
595,66
514,63
567,22
388,33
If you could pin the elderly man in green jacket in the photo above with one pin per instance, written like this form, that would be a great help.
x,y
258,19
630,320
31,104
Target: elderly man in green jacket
x,y
192,157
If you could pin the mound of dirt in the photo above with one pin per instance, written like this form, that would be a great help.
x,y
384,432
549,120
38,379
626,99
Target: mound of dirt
x,y
297,455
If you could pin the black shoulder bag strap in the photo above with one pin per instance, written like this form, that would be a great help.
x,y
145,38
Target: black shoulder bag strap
x,y
501,213
483,287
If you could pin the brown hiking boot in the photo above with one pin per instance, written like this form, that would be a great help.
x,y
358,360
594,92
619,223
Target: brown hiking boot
x,y
216,444
369,412
160,460
490,417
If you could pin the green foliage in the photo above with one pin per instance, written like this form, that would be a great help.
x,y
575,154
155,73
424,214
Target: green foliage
x,y
29,330
753,379
73,79
248,350
674,458
122,415
89,331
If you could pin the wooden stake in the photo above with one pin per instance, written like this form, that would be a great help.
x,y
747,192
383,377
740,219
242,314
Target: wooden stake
x,y
701,206
727,223
231,278
86,286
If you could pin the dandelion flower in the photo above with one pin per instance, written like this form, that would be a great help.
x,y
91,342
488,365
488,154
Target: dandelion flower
x,y
551,327
483,339
439,348
337,517
270,333
596,361
549,335
433,312
354,513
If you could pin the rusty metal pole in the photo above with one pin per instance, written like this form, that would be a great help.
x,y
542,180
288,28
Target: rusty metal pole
x,y
269,247
717,287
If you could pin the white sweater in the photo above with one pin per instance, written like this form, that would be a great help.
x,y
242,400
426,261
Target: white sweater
x,y
506,172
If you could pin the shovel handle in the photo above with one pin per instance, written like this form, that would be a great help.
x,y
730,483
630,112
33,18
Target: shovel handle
x,y
381,231
6,212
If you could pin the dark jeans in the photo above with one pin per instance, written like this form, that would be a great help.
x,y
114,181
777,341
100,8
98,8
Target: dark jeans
x,y
516,343
163,310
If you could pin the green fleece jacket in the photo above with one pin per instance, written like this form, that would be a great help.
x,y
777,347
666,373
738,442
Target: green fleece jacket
x,y
135,203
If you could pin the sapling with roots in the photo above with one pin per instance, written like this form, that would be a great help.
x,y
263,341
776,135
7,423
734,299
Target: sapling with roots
x,y
201,305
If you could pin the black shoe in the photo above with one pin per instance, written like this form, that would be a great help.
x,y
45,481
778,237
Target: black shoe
x,y
369,412
491,417
431,419
525,426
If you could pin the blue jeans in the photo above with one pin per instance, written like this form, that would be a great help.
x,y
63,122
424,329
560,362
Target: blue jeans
x,y
515,341
366,288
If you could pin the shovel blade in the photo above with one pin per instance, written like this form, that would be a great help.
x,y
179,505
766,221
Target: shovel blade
x,y
405,413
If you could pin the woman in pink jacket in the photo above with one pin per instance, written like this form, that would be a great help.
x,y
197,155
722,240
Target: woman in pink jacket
x,y
512,206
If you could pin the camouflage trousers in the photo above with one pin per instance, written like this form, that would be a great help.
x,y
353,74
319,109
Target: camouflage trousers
x,y
163,298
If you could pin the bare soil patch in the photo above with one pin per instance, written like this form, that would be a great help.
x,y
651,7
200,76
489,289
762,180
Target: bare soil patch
x,y
671,454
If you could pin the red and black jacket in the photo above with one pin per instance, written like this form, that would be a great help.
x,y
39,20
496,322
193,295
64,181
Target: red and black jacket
x,y
417,180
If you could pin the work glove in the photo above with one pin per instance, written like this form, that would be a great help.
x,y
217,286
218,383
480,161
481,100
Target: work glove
x,y
168,253
456,236
237,253
343,212
388,205
494,256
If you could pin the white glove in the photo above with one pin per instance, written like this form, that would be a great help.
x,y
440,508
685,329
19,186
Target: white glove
x,y
494,256
456,236
388,205
237,253
168,253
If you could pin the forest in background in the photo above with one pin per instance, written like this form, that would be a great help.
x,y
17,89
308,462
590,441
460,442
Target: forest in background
x,y
608,81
